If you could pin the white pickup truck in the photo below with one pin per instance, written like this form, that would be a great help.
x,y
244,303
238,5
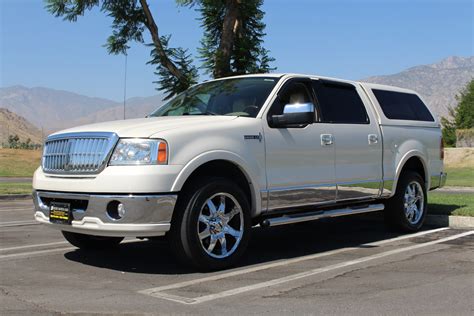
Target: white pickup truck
x,y
229,154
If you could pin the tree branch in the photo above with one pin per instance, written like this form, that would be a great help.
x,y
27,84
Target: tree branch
x,y
153,28
229,28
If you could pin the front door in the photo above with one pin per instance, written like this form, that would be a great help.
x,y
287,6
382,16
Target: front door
x,y
299,160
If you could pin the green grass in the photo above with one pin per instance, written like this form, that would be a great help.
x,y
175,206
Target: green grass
x,y
460,177
15,188
19,162
461,204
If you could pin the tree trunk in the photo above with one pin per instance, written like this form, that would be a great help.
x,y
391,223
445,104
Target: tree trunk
x,y
224,52
153,28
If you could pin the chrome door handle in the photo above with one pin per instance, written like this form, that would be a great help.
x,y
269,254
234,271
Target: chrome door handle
x,y
373,139
326,140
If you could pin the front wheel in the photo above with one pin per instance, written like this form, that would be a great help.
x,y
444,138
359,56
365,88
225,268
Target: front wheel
x,y
212,225
89,242
406,210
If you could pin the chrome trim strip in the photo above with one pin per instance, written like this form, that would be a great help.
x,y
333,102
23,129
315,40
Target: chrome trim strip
x,y
297,218
280,198
357,190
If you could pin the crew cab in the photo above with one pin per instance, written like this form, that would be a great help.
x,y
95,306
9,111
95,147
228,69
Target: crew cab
x,y
232,153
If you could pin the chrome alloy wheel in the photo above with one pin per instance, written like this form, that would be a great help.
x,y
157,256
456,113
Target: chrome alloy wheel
x,y
414,202
220,225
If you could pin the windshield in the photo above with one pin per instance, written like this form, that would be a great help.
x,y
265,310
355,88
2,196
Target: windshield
x,y
236,97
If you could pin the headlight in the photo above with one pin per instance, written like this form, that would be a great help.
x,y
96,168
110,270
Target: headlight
x,y
140,152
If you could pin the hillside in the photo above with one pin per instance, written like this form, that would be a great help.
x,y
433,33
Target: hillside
x,y
438,83
13,124
53,109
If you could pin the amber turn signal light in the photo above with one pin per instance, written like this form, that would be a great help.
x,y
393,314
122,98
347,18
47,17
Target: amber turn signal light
x,y
162,153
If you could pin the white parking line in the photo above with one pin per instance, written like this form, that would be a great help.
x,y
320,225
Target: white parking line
x,y
156,292
34,246
30,254
283,263
17,209
18,223
36,253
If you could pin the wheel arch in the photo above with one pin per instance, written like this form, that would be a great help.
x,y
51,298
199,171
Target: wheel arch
x,y
222,163
413,160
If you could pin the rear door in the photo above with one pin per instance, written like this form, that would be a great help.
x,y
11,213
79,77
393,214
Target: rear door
x,y
356,137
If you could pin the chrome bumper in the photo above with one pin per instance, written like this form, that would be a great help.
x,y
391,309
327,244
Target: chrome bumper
x,y
442,180
145,215
438,181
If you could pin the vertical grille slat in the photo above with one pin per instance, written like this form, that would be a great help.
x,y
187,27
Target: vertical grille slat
x,y
80,153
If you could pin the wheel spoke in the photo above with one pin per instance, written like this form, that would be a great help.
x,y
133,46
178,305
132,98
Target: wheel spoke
x,y
211,206
221,208
223,243
212,244
204,219
233,232
232,213
205,233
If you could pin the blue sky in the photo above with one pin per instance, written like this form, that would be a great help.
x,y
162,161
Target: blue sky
x,y
339,38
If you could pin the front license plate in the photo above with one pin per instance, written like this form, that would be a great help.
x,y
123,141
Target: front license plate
x,y
60,213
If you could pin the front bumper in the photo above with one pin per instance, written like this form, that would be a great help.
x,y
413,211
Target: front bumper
x,y
145,215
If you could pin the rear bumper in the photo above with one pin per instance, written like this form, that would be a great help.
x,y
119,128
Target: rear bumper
x,y
438,181
145,215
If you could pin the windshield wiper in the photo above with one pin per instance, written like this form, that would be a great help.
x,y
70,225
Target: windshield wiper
x,y
202,113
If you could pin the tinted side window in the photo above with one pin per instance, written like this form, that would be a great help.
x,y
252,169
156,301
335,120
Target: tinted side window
x,y
402,106
340,103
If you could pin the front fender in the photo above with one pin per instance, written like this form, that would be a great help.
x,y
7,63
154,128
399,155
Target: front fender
x,y
232,157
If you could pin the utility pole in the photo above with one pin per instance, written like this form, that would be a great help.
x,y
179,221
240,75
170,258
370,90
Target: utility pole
x,y
125,86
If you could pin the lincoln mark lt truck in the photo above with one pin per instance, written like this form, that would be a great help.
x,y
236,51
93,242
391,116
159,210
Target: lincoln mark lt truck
x,y
229,154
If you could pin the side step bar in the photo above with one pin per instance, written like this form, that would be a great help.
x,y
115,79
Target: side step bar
x,y
304,217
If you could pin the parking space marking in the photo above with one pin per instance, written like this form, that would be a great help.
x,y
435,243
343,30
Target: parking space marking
x,y
30,254
17,209
36,253
34,246
283,263
186,300
18,223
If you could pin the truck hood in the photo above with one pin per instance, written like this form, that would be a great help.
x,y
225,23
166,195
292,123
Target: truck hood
x,y
147,127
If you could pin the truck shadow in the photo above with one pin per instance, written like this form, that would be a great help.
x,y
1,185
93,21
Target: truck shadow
x,y
266,245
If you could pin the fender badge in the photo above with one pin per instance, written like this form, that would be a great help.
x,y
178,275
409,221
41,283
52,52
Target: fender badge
x,y
259,137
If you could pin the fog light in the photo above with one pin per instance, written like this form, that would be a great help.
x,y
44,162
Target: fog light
x,y
115,210
121,210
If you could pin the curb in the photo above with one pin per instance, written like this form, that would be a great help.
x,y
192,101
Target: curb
x,y
450,221
15,196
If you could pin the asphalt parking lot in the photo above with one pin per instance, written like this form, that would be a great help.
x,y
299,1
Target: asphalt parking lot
x,y
338,266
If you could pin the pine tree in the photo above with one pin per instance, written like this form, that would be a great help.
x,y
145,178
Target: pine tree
x,y
460,117
232,43
233,37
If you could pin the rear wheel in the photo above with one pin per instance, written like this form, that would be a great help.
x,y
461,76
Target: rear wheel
x,y
406,210
212,226
89,242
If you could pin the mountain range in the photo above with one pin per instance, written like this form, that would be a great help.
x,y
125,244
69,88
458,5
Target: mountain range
x,y
53,110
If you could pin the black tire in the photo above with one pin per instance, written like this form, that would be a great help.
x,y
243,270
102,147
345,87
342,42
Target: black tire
x,y
90,242
187,225
396,216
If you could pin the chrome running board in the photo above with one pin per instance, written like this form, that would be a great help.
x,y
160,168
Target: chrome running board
x,y
310,216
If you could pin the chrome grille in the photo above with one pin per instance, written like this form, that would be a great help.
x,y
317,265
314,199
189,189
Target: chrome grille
x,y
78,153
